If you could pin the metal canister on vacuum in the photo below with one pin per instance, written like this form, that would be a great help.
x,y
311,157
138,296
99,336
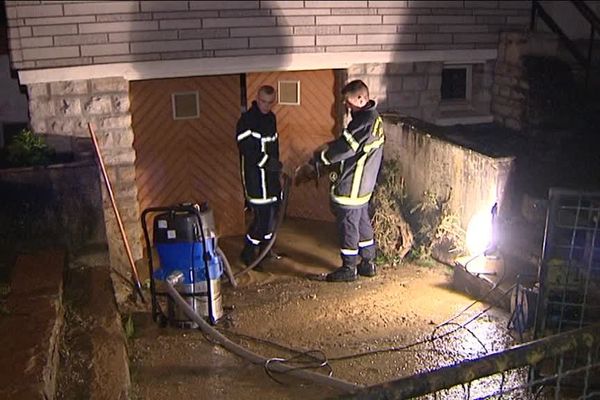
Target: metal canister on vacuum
x,y
186,244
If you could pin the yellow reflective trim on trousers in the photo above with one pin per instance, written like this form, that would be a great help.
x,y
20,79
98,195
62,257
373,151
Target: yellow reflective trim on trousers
x,y
349,201
357,178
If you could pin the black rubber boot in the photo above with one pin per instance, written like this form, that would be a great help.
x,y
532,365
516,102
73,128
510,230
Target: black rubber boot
x,y
367,268
271,255
249,254
342,274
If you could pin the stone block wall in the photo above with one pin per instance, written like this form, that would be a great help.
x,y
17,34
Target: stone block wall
x,y
414,89
406,88
483,80
61,111
510,89
429,163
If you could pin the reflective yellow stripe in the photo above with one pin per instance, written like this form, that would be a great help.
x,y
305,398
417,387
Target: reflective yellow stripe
x,y
349,201
378,133
350,139
376,144
377,128
357,178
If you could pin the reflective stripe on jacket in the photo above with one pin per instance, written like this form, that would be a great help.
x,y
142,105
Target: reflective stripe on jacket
x,y
258,143
359,151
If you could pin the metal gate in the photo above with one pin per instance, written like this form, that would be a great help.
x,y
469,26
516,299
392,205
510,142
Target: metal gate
x,y
569,275
563,362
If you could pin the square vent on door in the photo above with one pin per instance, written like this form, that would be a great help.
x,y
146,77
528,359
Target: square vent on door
x,y
289,92
185,105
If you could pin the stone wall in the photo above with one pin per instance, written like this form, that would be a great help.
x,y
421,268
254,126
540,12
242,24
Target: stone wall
x,y
429,163
57,205
61,111
407,88
65,33
13,103
511,88
414,89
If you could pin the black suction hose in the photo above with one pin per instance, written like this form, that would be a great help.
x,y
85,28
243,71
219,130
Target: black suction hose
x,y
282,211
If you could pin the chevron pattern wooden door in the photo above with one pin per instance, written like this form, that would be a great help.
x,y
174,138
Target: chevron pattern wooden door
x,y
302,128
189,160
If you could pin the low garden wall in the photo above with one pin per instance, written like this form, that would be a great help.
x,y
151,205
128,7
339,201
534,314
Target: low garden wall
x,y
428,161
51,205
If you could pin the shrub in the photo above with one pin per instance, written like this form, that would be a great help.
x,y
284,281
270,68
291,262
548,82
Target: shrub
x,y
28,149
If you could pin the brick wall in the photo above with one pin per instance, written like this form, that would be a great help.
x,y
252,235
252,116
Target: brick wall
x,y
54,34
63,109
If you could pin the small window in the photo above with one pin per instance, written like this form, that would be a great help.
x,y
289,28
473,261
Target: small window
x,y
289,92
185,105
456,82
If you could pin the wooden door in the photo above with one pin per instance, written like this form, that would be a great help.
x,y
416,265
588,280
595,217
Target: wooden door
x,y
189,160
302,128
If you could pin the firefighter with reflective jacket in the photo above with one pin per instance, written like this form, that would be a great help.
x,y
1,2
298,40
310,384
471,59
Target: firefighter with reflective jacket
x,y
357,153
258,144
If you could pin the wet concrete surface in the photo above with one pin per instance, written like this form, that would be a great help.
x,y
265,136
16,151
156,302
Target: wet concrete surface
x,y
389,319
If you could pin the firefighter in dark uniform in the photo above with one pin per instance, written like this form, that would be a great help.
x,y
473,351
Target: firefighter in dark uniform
x,y
357,153
258,144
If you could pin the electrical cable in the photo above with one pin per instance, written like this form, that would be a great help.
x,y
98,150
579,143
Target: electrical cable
x,y
254,358
430,339
278,364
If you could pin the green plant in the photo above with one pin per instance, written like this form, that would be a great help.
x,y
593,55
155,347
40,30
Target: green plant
x,y
28,149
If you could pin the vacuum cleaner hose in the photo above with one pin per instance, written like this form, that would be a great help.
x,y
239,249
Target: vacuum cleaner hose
x,y
227,267
254,358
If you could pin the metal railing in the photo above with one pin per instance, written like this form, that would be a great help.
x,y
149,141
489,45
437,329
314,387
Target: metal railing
x,y
562,366
586,62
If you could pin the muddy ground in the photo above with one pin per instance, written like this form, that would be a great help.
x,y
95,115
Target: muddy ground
x,y
399,308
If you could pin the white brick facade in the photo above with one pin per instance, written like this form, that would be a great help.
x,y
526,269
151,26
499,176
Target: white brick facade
x,y
86,33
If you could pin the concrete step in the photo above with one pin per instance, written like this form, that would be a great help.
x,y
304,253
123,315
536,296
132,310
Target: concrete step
x,y
94,361
32,326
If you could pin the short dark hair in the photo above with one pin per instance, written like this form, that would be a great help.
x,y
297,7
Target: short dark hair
x,y
354,87
266,89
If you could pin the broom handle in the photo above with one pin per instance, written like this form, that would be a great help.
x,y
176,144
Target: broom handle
x,y
136,282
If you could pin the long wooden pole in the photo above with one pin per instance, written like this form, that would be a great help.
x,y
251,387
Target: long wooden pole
x,y
137,285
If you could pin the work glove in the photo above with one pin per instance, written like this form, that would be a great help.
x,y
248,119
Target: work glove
x,y
273,165
304,173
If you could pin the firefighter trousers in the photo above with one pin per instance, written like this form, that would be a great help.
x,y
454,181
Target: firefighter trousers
x,y
263,223
355,234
